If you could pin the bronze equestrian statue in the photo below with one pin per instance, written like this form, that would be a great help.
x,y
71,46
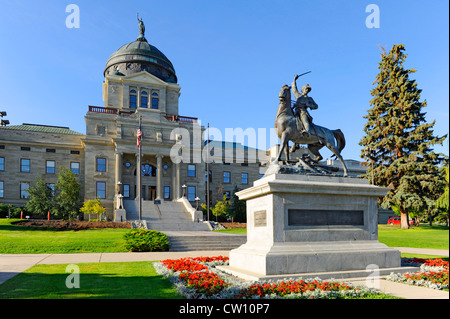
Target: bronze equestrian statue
x,y
288,127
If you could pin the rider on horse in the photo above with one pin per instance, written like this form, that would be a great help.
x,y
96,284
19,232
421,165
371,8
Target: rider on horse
x,y
303,101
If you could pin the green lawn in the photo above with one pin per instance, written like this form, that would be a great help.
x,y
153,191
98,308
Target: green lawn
x,y
129,280
424,236
134,279
24,240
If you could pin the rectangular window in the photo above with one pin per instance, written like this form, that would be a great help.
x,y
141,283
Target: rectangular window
x,y
100,164
133,103
75,152
226,177
166,192
2,189
50,167
75,168
2,163
25,148
25,165
24,190
191,193
50,150
144,101
101,190
191,170
126,190
244,178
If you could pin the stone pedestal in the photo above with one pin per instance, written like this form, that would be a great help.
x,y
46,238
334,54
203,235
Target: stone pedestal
x,y
300,224
120,215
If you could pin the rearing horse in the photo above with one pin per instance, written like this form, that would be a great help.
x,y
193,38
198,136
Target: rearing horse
x,y
286,128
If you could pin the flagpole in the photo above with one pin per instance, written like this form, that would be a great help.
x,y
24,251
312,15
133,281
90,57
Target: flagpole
x,y
138,172
207,175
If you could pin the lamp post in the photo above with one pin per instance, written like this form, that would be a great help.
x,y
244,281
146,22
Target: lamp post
x,y
184,190
2,121
197,200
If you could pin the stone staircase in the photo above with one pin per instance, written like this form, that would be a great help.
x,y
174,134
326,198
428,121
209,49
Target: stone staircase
x,y
167,216
206,242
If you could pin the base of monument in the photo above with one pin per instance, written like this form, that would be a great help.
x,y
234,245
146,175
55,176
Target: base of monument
x,y
284,258
348,275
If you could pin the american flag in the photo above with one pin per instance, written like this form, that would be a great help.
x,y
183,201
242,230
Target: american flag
x,y
139,137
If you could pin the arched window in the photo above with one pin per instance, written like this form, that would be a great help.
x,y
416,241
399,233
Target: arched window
x,y
155,101
133,99
148,170
144,99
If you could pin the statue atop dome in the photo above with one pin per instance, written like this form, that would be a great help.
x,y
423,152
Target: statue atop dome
x,y
141,29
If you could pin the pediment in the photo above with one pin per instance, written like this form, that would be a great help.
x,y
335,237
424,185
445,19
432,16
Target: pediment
x,y
147,78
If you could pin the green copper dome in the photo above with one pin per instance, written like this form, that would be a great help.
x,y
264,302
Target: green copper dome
x,y
140,56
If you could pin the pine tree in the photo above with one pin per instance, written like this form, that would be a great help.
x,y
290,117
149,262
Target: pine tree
x,y
398,144
41,198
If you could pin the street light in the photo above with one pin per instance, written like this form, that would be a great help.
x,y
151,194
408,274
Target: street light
x,y
2,121
184,190
197,200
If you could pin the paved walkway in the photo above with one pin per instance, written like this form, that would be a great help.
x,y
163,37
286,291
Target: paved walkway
x,y
13,264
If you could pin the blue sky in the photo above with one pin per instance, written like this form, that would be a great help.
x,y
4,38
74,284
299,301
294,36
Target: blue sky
x,y
231,57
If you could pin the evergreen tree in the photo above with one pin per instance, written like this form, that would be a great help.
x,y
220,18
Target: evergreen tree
x,y
398,141
238,212
41,198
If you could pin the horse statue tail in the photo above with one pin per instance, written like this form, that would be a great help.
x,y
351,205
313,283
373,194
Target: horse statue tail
x,y
340,139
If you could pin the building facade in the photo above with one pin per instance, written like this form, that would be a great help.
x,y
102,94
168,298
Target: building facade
x,y
140,86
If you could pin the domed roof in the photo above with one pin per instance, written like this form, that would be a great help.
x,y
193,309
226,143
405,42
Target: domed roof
x,y
140,56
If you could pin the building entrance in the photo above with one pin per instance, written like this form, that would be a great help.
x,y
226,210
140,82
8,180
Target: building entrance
x,y
148,192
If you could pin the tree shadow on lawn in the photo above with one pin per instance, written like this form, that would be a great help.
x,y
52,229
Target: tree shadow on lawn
x,y
36,283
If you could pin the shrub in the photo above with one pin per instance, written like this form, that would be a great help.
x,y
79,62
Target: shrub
x,y
138,240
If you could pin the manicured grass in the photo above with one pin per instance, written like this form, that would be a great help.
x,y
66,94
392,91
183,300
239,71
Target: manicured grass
x,y
424,236
126,280
239,231
25,240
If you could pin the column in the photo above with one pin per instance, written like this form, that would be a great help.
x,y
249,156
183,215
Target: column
x,y
118,172
176,180
159,173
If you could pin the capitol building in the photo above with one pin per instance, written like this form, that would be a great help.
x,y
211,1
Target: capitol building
x,y
140,85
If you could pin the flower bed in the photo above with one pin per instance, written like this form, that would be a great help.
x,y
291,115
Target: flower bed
x,y
199,278
434,273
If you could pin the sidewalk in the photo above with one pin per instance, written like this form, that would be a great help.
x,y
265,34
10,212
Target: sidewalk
x,y
12,264
423,251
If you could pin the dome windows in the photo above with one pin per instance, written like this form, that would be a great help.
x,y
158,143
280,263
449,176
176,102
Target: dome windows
x,y
133,99
144,99
140,97
155,101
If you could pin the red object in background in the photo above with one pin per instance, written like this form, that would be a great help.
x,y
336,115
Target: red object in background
x,y
397,221
21,214
48,216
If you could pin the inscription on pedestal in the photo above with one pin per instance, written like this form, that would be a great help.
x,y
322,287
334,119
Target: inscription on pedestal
x,y
311,217
260,218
